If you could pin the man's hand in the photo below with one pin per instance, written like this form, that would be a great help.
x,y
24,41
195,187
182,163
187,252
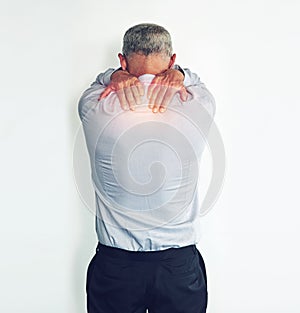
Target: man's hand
x,y
163,88
128,88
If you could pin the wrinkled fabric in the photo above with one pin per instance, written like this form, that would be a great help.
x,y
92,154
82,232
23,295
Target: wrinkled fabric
x,y
145,167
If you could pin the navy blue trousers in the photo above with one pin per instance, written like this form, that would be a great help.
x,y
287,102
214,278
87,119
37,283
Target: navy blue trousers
x,y
167,281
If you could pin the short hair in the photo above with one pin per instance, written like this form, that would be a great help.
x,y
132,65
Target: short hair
x,y
147,39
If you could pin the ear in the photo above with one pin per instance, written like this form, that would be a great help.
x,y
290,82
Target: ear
x,y
172,60
123,61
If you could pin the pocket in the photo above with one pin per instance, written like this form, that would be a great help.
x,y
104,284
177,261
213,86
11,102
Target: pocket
x,y
119,269
181,267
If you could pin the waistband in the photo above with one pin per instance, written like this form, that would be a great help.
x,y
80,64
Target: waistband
x,y
178,253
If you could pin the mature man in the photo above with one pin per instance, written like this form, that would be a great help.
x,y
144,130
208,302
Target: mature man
x,y
144,164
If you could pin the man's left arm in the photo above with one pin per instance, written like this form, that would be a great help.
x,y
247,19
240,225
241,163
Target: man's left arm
x,y
165,85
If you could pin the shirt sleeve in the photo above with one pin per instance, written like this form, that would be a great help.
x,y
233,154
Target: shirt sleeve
x,y
104,78
190,79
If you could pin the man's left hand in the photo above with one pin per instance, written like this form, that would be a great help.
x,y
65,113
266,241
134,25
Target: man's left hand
x,y
163,88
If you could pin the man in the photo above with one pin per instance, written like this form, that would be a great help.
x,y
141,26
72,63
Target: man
x,y
144,164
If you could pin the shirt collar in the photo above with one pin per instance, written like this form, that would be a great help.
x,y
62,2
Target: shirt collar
x,y
146,78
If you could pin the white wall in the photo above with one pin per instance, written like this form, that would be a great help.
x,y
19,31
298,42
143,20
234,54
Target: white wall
x,y
247,53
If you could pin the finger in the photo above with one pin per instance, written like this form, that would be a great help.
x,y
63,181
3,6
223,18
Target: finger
x,y
130,98
136,94
140,88
183,94
105,93
159,98
122,99
152,88
154,94
167,98
162,108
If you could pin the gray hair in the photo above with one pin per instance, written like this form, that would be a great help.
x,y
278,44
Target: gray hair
x,y
147,39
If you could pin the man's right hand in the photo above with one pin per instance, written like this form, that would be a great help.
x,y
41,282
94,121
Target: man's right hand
x,y
128,88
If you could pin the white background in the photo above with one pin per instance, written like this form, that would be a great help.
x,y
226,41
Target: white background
x,y
247,54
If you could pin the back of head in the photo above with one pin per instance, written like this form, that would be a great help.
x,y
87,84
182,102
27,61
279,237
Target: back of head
x,y
147,39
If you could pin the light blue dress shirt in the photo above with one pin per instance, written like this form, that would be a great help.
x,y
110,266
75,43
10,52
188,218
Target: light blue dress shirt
x,y
145,166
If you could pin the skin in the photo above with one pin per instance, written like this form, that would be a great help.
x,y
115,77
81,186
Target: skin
x,y
166,83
